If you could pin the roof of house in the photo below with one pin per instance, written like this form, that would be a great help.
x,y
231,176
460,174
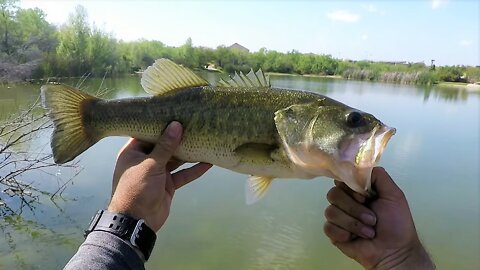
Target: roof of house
x,y
238,47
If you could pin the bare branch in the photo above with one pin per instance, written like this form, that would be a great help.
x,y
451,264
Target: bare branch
x,y
20,157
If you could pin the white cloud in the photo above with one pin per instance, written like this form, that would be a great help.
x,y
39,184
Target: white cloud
x,y
436,4
465,43
373,9
364,37
343,16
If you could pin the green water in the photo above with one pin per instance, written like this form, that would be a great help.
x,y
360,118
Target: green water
x,y
434,157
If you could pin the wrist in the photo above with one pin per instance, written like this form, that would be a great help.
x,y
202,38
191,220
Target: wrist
x,y
415,257
126,210
134,232
112,207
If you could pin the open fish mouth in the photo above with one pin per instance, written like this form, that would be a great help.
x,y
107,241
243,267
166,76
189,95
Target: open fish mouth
x,y
371,150
358,157
382,141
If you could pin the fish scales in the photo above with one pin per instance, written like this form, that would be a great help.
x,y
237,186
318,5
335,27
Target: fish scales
x,y
215,120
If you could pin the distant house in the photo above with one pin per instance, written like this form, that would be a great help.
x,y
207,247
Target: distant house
x,y
237,46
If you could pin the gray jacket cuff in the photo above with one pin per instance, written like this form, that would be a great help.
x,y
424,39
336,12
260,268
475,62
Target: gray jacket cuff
x,y
103,250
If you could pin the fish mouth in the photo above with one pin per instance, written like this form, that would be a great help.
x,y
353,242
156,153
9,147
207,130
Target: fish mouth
x,y
352,163
370,151
358,157
382,141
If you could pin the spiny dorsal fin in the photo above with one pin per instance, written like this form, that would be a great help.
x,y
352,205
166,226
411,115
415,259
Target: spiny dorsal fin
x,y
164,76
252,79
256,188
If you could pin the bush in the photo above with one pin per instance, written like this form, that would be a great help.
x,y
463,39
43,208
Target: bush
x,y
451,74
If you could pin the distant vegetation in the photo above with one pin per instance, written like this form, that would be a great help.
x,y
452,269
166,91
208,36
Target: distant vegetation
x,y
32,48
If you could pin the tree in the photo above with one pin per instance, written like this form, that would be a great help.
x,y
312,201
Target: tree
x,y
186,54
36,36
7,12
305,64
73,42
35,30
25,39
102,52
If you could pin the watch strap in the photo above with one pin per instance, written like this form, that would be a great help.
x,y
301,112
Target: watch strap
x,y
132,230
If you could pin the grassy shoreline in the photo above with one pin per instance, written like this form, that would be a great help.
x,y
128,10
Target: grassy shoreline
x,y
453,84
450,85
442,84
304,75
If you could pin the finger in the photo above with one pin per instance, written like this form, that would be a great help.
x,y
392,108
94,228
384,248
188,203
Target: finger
x,y
335,233
127,148
141,146
174,163
168,143
134,145
347,204
336,216
186,176
170,187
384,185
357,196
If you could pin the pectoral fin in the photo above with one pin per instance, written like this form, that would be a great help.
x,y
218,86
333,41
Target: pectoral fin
x,y
256,188
258,153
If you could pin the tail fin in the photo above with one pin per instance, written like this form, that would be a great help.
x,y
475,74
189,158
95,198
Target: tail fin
x,y
65,105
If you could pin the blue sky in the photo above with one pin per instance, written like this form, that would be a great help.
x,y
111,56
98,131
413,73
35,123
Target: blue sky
x,y
417,31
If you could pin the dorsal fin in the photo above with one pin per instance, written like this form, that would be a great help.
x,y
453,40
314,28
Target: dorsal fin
x,y
252,79
164,76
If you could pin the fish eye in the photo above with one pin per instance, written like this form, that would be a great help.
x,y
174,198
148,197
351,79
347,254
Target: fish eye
x,y
355,119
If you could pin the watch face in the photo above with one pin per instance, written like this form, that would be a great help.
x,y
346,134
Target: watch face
x,y
93,222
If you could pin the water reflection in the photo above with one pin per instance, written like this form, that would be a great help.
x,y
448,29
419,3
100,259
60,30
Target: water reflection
x,y
27,179
304,83
278,246
434,157
448,94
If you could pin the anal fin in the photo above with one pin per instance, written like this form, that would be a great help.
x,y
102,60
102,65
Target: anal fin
x,y
256,188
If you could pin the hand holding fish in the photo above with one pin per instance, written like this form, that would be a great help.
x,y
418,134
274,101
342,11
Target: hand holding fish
x,y
143,185
378,234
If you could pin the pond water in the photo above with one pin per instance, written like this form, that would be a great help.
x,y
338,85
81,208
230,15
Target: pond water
x,y
434,158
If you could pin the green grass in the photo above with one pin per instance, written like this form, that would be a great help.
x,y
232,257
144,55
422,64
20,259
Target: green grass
x,y
452,85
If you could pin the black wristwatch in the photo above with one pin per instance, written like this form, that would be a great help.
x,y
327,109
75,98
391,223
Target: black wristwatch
x,y
132,230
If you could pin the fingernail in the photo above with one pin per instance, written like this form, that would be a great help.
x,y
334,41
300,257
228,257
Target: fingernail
x,y
368,219
174,129
367,232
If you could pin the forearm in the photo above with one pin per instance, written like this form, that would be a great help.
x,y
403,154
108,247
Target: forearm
x,y
103,250
414,258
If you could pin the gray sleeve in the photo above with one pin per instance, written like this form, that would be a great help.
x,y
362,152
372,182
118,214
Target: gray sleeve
x,y
103,250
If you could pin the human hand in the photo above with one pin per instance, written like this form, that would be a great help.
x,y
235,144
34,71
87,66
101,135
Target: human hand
x,y
378,234
143,186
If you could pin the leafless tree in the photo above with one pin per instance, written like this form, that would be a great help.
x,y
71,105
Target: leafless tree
x,y
21,158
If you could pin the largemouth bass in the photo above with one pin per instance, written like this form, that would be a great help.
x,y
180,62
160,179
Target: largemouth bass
x,y
243,125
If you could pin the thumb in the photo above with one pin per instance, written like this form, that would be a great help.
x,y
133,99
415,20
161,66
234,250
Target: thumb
x,y
167,144
384,184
